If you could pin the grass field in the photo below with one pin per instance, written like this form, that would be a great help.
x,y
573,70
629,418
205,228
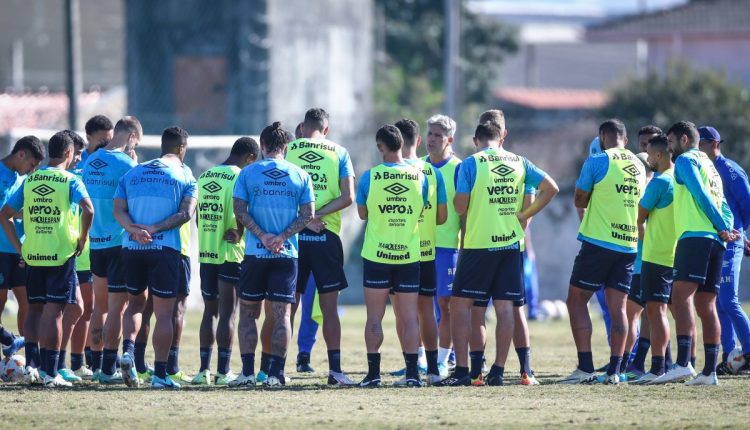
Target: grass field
x,y
308,403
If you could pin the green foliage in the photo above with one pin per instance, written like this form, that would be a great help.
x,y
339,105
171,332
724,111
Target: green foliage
x,y
685,93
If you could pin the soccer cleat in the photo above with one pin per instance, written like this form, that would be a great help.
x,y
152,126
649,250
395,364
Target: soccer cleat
x,y
222,380
84,373
453,381
262,377
202,378
243,381
68,375
115,378
145,377
180,377
723,369
56,381
402,371
527,379
273,382
304,368
371,382
433,379
612,379
339,379
166,383
645,379
414,383
604,378
443,370
15,345
494,380
478,381
632,375
31,376
676,374
702,379
579,377
128,372
95,376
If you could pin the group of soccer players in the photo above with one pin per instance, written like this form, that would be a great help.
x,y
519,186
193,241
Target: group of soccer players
x,y
95,244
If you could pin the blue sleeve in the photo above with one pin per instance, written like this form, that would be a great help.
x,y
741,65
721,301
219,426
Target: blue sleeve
x,y
595,147
455,175
191,190
307,195
363,188
528,189
687,172
652,194
346,168
740,190
16,199
77,191
534,175
466,176
240,189
425,191
120,192
726,213
593,171
442,195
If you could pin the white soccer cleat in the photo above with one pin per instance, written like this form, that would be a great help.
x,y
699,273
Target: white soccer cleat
x,y
243,381
273,381
127,370
676,374
702,379
433,378
84,373
579,377
31,376
57,381
339,379
645,379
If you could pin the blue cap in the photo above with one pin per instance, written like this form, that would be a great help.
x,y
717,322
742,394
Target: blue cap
x,y
709,133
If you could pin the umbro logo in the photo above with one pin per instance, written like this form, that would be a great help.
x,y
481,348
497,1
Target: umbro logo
x,y
43,190
311,157
156,164
631,170
275,174
502,170
212,187
396,189
98,164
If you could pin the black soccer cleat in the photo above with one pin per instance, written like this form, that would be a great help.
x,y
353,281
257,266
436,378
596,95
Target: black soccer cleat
x,y
453,381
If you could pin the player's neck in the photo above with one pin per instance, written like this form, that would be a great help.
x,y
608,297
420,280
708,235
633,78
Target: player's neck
x,y
409,153
274,156
8,162
316,135
57,163
117,144
713,155
436,158
393,157
665,166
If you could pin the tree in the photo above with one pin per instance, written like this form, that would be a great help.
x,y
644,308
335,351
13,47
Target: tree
x,y
685,93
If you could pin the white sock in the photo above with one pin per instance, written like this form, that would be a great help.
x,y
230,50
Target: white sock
x,y
443,354
421,359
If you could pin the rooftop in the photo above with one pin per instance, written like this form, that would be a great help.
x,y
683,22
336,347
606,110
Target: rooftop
x,y
552,98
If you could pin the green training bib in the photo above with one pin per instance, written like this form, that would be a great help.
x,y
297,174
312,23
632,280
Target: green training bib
x,y
660,238
688,216
428,219
449,232
83,261
216,216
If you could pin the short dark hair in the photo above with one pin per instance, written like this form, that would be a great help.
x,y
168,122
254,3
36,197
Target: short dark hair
x,y
274,137
316,119
495,116
172,139
409,131
32,145
245,146
58,144
685,128
613,127
98,123
649,129
128,124
659,143
298,131
78,141
390,136
488,131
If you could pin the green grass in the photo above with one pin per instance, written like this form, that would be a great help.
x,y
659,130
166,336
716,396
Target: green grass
x,y
308,403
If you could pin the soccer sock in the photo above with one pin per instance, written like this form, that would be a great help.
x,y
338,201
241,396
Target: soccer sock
x,y
443,354
624,365
586,362
712,354
281,371
411,360
496,371
160,369
31,350
476,358
639,363
224,355
76,361
373,364
173,360
724,356
432,362
524,359
6,337
334,360
421,359
303,358
108,363
52,358
614,365
460,372
96,360
43,358
668,357
264,357
205,354
128,346
692,362
139,352
657,365
275,366
88,355
248,364
61,360
684,343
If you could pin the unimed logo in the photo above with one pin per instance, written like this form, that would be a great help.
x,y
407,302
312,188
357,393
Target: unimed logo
x,y
311,157
275,174
631,170
98,164
212,187
502,170
43,190
396,189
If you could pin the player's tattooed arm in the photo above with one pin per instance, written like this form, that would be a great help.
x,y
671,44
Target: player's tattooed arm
x,y
183,215
244,218
306,214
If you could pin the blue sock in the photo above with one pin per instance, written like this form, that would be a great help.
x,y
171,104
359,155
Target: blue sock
x,y
432,362
668,357
43,359
160,369
496,371
109,361
614,365
373,364
139,352
76,361
684,343
61,360
692,362
205,355
31,350
88,355
524,359
639,362
657,365
475,359
224,355
276,366
334,360
52,358
712,354
412,372
586,362
129,347
264,360
97,357
248,364
6,337
173,361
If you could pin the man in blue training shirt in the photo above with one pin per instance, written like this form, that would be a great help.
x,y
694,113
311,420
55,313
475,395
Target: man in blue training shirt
x,y
274,200
151,203
733,319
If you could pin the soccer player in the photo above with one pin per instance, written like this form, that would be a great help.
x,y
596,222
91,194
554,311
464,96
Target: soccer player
x,y
28,152
53,239
274,200
101,174
152,201
704,224
220,247
439,144
9,342
657,253
391,197
321,253
609,188
733,319
99,131
490,194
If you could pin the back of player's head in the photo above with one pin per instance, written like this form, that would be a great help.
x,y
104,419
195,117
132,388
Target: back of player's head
x,y
274,137
31,145
685,128
173,139
445,122
98,123
390,137
316,119
649,129
659,143
613,128
78,142
128,125
298,133
245,146
487,132
59,143
495,116
409,131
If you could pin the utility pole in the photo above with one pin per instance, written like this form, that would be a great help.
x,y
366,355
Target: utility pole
x,y
452,55
73,63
